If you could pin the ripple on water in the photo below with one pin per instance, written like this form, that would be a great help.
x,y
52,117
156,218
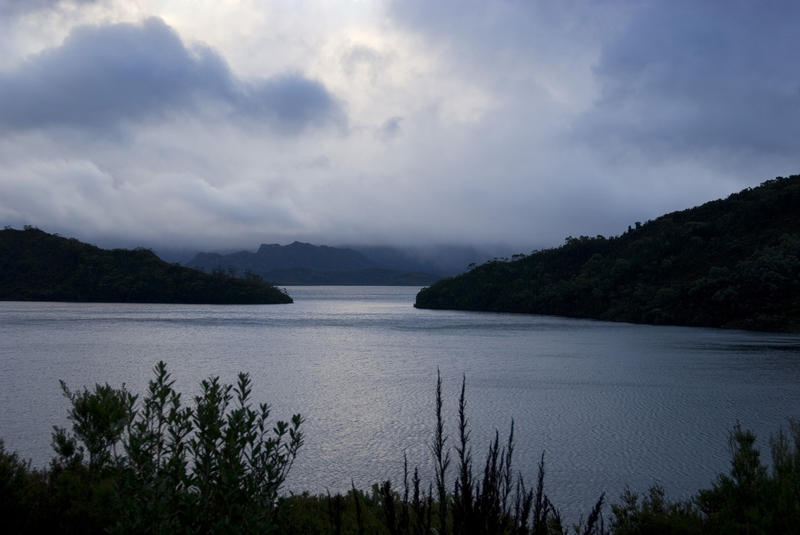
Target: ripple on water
x,y
610,404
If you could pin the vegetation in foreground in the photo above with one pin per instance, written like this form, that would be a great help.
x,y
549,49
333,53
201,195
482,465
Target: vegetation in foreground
x,y
158,465
37,266
728,263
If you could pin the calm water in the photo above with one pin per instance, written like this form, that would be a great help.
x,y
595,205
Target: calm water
x,y
609,404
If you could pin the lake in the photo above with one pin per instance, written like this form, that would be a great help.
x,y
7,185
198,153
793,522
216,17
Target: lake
x,y
610,404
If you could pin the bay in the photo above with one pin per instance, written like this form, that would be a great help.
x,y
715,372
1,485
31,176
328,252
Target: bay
x,y
610,404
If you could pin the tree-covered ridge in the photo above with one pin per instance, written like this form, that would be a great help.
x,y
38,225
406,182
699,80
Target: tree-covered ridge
x,y
728,263
37,266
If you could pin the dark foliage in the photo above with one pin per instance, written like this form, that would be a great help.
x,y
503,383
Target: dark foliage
x,y
750,499
37,266
156,465
728,263
23,493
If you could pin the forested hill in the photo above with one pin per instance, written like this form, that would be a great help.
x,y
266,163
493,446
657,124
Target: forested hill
x,y
728,263
37,266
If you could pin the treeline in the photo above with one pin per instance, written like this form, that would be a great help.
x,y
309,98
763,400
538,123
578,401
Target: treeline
x,y
728,263
37,266
159,465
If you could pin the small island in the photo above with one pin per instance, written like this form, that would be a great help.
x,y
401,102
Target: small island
x,y
38,266
732,263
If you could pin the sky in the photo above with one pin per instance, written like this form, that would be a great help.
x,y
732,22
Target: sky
x,y
216,125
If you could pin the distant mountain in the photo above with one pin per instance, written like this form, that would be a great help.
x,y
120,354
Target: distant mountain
x,y
37,266
442,260
728,263
304,263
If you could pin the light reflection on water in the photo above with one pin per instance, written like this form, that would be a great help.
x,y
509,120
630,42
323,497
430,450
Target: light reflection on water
x,y
610,404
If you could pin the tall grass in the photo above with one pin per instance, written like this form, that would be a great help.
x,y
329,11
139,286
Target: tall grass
x,y
490,500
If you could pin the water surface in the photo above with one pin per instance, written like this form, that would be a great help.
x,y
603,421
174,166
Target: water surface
x,y
610,404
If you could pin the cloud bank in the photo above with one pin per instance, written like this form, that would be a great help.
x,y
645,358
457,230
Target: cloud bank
x,y
219,126
692,77
105,75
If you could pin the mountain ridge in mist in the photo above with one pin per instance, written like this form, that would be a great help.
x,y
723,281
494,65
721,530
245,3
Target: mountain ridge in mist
x,y
304,263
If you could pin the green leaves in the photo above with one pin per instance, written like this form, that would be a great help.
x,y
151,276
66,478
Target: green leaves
x,y
99,419
216,467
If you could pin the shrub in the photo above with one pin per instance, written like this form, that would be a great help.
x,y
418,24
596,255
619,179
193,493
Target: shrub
x,y
750,499
161,467
22,493
654,515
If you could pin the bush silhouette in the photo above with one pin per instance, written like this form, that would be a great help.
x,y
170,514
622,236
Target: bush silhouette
x,y
157,465
161,467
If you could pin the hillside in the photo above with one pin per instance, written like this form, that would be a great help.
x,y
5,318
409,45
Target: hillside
x,y
728,263
37,266
304,263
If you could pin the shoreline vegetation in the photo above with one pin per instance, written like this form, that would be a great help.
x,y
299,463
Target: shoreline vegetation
x,y
37,266
731,263
156,464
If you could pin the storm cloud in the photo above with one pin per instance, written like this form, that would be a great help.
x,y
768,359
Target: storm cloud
x,y
102,76
701,76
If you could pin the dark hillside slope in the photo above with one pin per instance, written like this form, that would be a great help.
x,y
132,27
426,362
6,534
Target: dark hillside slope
x,y
37,266
728,263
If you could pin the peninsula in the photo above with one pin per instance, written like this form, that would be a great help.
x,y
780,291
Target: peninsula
x,y
37,266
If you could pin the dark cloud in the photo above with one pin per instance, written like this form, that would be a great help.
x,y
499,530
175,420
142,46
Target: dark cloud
x,y
291,100
690,77
503,37
103,75
19,7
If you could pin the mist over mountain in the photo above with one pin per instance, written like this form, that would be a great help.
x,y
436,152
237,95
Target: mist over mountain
x,y
444,260
304,263
436,260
